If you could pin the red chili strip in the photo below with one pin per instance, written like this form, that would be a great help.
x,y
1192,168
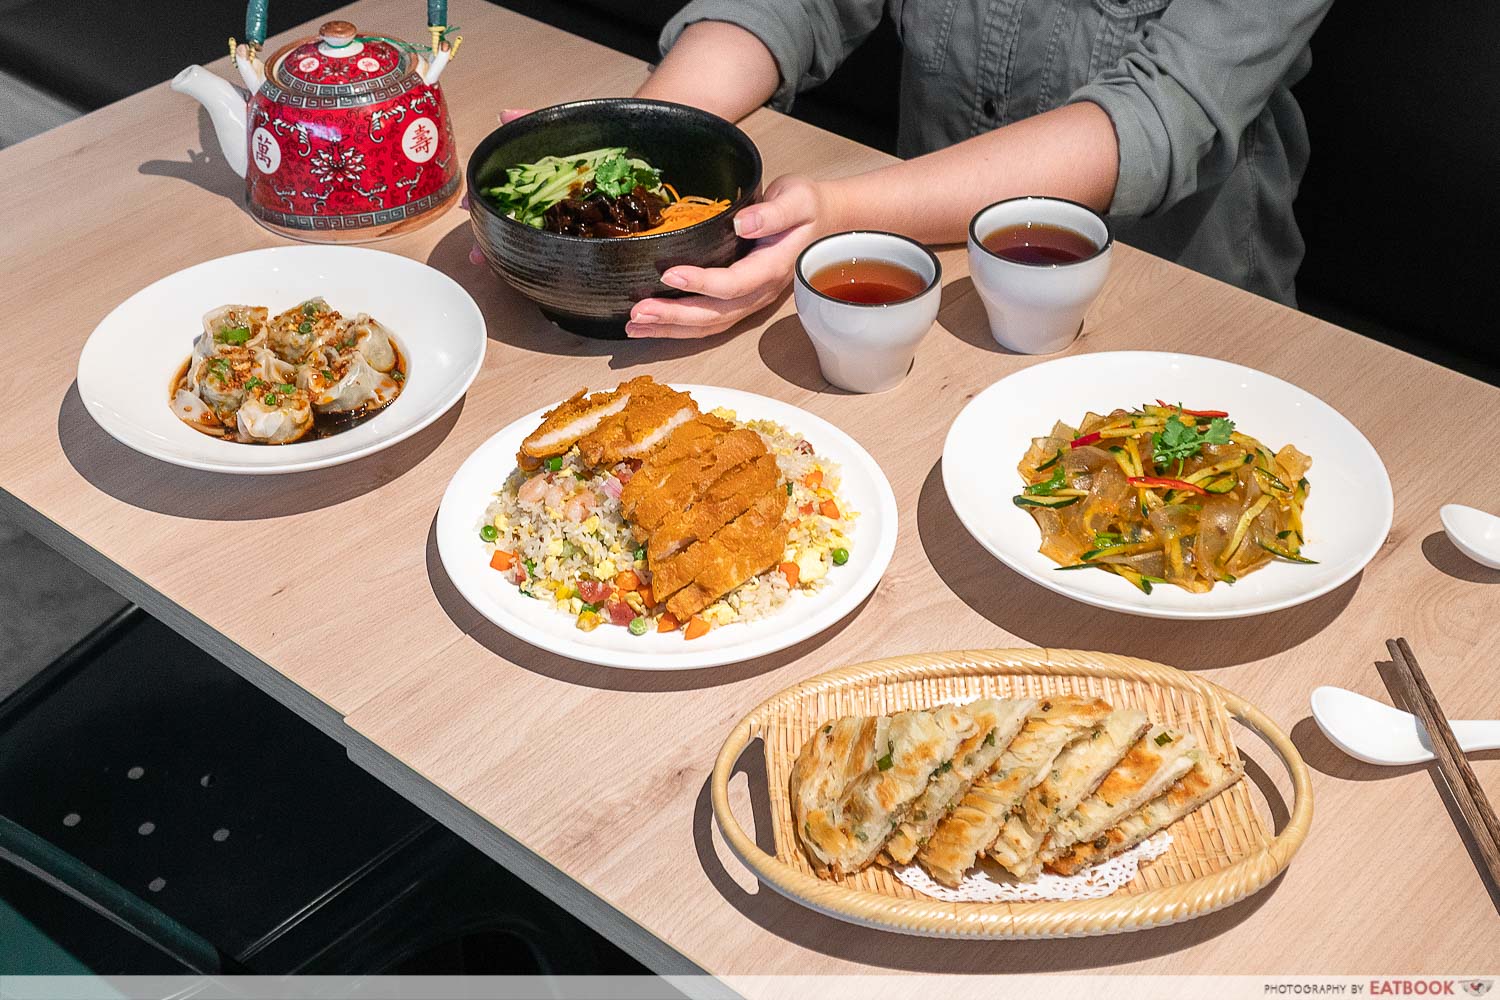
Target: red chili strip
x,y
1079,442
1171,484
1194,413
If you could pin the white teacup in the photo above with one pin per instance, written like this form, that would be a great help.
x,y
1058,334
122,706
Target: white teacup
x,y
1037,308
866,346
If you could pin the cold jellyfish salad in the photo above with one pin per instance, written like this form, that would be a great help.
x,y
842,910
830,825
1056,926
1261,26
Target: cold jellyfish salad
x,y
1164,494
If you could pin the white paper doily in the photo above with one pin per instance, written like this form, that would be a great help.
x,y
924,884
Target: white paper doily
x,y
991,884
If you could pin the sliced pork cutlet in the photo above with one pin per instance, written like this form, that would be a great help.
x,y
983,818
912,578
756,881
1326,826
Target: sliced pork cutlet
x,y
678,571
721,503
653,413
691,439
750,544
689,479
570,420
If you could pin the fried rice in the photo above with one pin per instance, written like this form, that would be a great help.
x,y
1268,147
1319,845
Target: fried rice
x,y
560,536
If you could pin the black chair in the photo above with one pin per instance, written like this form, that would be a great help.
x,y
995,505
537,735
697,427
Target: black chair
x,y
143,781
1400,206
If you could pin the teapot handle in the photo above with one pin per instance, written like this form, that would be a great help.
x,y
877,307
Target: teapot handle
x,y
255,23
255,19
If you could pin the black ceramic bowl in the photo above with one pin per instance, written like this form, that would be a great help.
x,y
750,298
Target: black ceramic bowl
x,y
587,286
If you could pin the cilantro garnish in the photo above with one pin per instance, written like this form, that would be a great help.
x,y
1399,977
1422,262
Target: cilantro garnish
x,y
1219,431
1180,440
616,176
1055,482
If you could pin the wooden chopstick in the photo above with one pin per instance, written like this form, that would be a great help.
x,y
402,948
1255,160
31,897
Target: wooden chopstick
x,y
1475,808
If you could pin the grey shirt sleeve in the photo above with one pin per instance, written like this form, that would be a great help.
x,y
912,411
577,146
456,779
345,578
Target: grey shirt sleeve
x,y
807,38
1184,94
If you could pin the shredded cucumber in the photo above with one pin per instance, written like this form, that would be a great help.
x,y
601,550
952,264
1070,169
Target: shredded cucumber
x,y
532,188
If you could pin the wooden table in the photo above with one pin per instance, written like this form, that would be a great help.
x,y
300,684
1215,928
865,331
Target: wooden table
x,y
592,782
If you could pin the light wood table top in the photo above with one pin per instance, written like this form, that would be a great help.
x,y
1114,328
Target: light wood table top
x,y
592,782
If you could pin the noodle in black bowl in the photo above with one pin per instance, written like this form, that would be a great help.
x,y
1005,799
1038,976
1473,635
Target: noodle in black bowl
x,y
586,285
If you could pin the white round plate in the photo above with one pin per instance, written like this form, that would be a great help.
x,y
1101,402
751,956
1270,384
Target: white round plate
x,y
804,615
126,368
1348,512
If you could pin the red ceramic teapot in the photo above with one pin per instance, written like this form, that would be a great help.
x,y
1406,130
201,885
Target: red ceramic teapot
x,y
345,136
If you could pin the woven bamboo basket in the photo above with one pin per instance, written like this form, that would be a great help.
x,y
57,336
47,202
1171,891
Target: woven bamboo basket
x,y
1220,854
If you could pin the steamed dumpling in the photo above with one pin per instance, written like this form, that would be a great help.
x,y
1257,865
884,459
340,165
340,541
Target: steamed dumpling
x,y
235,325
370,337
274,414
196,413
226,330
350,385
294,333
221,380
260,379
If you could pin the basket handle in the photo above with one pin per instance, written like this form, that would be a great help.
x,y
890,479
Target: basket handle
x,y
1299,822
729,754
255,19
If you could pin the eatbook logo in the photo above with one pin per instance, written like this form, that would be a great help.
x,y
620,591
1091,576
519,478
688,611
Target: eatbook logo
x,y
1476,987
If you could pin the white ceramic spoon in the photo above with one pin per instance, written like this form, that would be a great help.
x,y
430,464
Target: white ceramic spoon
x,y
1376,733
1473,532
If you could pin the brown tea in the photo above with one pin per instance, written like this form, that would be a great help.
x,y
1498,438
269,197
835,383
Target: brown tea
x,y
868,282
1039,243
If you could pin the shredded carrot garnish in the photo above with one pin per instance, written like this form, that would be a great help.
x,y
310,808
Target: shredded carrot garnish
x,y
686,212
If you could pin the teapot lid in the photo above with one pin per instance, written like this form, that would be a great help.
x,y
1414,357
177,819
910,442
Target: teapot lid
x,y
340,62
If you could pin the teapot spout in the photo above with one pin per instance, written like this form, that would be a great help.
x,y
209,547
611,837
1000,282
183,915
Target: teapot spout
x,y
226,108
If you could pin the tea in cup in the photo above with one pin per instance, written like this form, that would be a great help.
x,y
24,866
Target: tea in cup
x,y
866,300
1037,263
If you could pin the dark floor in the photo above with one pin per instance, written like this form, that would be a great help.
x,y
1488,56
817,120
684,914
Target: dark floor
x,y
46,605
142,776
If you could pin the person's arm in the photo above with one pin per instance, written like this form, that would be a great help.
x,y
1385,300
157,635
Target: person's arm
x,y
1069,152
1184,96
1164,123
806,41
717,66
